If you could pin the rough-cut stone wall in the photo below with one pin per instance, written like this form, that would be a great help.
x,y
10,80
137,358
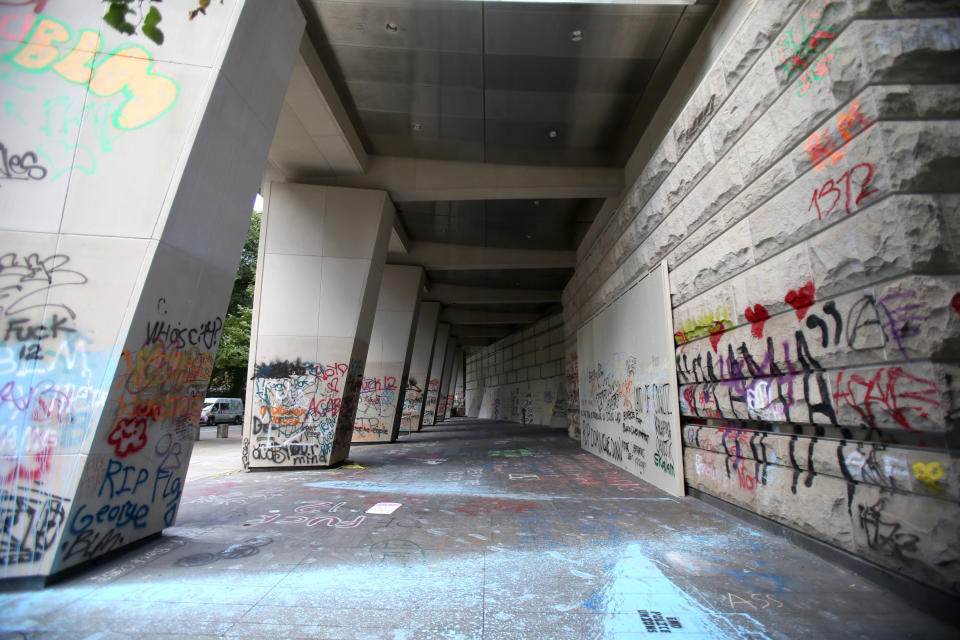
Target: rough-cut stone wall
x,y
520,378
806,203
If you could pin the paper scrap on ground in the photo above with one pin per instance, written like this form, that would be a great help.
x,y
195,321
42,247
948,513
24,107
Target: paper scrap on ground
x,y
384,508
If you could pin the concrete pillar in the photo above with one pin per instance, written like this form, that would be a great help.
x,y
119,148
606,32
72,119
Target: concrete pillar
x,y
436,370
388,359
113,290
455,374
320,265
419,375
448,366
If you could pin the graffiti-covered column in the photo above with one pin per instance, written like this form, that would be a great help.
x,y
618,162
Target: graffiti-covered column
x,y
455,377
436,371
448,366
322,252
129,165
388,360
419,375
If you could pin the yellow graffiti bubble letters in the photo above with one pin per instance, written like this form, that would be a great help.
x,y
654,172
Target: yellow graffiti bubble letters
x,y
928,472
128,69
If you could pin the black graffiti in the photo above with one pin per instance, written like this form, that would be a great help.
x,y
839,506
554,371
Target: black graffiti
x,y
281,369
885,535
653,398
20,167
91,543
25,281
596,440
19,329
245,549
29,526
206,335
655,622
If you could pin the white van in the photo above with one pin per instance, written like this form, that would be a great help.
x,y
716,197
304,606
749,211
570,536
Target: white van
x,y
221,410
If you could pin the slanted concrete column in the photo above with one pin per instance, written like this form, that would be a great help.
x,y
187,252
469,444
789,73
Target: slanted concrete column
x,y
419,375
129,173
454,394
436,371
322,251
448,366
388,360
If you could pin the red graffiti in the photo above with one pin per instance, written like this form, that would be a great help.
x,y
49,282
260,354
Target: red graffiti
x,y
891,391
26,460
820,145
801,299
129,435
716,332
757,316
37,8
488,505
829,188
955,302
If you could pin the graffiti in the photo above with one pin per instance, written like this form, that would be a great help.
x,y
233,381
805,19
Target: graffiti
x,y
595,440
206,335
321,507
38,4
245,549
30,523
396,551
893,392
707,323
128,70
489,505
773,382
20,167
829,188
818,70
756,316
655,622
509,453
25,282
955,302
298,406
800,299
796,52
91,543
821,145
885,535
760,601
25,455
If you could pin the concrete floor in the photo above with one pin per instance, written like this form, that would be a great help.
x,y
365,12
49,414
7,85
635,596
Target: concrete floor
x,y
502,531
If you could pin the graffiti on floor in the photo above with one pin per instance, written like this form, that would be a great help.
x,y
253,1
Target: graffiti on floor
x,y
305,514
656,622
756,601
240,550
395,551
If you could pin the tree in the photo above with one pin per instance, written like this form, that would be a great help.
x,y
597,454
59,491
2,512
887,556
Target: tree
x,y
230,368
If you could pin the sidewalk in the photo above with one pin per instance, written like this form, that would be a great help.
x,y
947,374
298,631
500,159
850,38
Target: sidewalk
x,y
492,531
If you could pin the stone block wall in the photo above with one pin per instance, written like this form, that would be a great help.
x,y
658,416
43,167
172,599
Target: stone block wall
x,y
520,378
805,201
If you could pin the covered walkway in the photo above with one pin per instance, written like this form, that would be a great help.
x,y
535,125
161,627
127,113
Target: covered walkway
x,y
492,531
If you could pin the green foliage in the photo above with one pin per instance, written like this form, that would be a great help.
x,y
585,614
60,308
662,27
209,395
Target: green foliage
x,y
229,375
119,11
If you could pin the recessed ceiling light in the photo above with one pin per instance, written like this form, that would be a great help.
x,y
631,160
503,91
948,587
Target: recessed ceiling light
x,y
576,35
417,126
529,236
392,27
552,133
536,202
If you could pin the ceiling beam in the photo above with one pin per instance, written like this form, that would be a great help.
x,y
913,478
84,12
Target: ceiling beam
x,y
476,342
459,257
415,179
458,294
475,316
479,331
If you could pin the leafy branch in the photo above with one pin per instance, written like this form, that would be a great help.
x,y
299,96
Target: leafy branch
x,y
119,12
